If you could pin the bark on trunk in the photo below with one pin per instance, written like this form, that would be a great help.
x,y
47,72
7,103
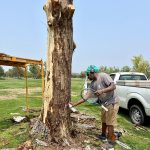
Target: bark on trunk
x,y
57,94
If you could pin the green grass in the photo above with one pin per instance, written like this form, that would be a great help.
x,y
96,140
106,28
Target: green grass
x,y
12,134
19,83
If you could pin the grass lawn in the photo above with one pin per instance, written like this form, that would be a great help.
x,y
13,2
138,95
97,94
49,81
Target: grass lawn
x,y
12,100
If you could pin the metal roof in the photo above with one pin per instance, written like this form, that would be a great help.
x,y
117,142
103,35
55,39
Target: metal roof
x,y
8,60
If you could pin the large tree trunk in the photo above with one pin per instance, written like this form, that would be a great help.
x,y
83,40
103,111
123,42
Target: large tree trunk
x,y
56,114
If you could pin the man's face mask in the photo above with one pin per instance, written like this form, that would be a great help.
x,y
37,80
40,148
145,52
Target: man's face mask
x,y
91,76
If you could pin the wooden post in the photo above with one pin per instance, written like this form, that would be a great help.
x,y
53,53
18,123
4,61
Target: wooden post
x,y
42,74
27,101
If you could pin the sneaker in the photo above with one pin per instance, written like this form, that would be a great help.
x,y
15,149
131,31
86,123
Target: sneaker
x,y
102,137
118,135
108,146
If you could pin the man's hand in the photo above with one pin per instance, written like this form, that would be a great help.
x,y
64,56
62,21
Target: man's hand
x,y
71,108
78,103
71,103
99,92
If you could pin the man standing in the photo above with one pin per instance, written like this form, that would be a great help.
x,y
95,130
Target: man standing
x,y
104,88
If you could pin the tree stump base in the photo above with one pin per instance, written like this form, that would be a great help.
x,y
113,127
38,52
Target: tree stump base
x,y
83,135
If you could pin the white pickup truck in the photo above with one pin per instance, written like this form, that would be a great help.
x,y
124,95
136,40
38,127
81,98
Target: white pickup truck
x,y
134,92
128,76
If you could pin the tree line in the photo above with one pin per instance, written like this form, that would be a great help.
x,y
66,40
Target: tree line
x,y
139,64
34,71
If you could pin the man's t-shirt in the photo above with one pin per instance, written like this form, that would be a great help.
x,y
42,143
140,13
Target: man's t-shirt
x,y
103,81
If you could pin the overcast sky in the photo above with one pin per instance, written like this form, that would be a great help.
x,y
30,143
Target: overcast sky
x,y
107,32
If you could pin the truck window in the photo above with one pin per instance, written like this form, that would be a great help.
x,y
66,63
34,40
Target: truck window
x,y
142,77
132,77
112,76
125,77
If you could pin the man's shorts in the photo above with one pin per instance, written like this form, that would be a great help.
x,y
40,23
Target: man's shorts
x,y
110,117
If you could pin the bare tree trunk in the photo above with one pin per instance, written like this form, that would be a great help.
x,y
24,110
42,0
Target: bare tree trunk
x,y
55,114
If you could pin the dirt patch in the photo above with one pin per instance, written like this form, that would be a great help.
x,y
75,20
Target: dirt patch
x,y
13,93
4,141
85,134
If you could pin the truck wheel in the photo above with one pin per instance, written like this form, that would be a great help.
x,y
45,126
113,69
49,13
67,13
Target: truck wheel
x,y
137,114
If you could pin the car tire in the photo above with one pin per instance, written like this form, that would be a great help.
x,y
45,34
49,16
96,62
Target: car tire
x,y
137,114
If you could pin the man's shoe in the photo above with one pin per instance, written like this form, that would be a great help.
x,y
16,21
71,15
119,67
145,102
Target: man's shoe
x,y
118,135
102,137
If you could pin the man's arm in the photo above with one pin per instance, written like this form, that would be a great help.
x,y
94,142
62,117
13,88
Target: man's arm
x,y
111,87
79,102
82,100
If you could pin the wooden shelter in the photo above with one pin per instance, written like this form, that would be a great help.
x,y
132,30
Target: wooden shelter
x,y
8,60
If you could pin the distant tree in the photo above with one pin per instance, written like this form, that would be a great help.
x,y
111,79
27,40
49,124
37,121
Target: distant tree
x,y
148,72
35,71
83,74
29,74
125,69
1,71
15,72
139,64
75,75
7,73
103,69
112,69
18,72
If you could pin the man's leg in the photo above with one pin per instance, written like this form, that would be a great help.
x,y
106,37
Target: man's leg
x,y
103,135
104,129
111,121
111,136
104,126
111,118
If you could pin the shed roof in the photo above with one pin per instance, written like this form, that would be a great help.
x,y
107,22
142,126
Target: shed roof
x,y
8,60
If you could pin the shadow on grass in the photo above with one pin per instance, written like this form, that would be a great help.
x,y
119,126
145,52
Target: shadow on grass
x,y
5,124
2,78
125,113
147,123
124,118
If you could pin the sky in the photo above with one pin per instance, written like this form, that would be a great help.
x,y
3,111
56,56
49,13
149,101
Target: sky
x,y
106,32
